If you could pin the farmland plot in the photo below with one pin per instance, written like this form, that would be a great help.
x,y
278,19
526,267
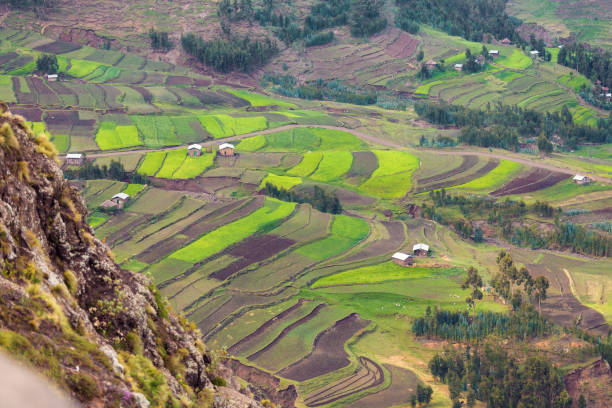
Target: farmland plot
x,y
392,179
111,136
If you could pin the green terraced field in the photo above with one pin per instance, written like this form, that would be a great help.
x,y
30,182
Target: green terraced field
x,y
111,136
393,177
213,242
387,271
152,163
302,140
285,182
333,166
222,125
500,175
310,162
345,232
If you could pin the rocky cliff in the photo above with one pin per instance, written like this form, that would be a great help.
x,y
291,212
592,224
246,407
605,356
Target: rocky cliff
x,y
103,334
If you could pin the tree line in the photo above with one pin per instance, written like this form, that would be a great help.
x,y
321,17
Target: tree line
x,y
595,64
469,19
502,125
331,90
229,55
114,171
318,198
508,215
499,380
160,40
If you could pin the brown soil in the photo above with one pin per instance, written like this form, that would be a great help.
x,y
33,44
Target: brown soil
x,y
467,163
403,385
287,329
593,381
58,47
491,164
4,58
328,354
367,376
205,224
394,242
265,382
198,185
535,180
252,250
31,114
403,46
276,320
564,309
364,164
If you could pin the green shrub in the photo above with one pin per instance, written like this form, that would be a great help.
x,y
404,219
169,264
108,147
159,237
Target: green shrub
x,y
83,385
71,281
218,381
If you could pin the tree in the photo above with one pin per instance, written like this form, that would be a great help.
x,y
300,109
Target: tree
x,y
541,287
473,281
424,394
47,64
478,234
582,402
544,145
413,400
420,55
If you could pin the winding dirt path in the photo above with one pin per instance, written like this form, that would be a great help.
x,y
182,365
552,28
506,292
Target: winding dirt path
x,y
363,136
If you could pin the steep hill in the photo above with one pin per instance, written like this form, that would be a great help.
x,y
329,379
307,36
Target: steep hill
x,y
100,332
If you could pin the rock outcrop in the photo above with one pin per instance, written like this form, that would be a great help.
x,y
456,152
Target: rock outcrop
x,y
102,333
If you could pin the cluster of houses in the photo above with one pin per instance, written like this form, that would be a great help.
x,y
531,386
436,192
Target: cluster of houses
x,y
404,259
118,201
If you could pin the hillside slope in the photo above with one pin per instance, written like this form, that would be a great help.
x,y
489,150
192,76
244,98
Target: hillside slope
x,y
98,331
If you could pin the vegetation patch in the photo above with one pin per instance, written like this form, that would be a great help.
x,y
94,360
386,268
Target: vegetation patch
x,y
393,177
333,166
281,182
213,242
111,136
152,163
345,232
501,174
310,162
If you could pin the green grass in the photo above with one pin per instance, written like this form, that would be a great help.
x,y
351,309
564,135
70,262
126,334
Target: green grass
x,y
424,89
6,89
303,140
286,182
497,177
310,162
222,125
156,131
194,166
96,218
345,233
574,81
517,60
387,271
151,163
133,189
393,177
333,166
507,76
259,100
111,136
81,68
61,142
215,241
566,189
174,160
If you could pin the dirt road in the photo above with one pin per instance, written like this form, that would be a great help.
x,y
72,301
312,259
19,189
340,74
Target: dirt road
x,y
363,136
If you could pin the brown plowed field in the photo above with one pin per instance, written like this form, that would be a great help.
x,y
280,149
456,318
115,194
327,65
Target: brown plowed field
x,y
367,376
253,250
467,163
58,47
403,385
287,329
31,114
403,46
364,164
396,238
200,227
535,180
4,58
491,164
564,309
328,354
251,338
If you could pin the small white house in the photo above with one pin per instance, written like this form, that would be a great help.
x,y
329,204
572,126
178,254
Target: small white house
x,y
403,259
120,199
226,149
52,78
420,249
494,53
458,67
580,179
534,53
74,159
194,150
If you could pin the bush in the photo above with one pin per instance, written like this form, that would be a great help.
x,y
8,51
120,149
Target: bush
x,y
218,381
83,385
47,64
